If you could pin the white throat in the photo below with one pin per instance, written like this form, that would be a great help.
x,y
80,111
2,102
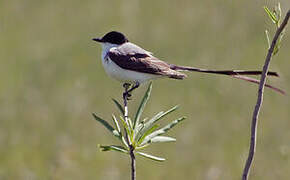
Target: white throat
x,y
106,48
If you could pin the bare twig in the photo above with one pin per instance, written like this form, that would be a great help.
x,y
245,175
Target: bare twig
x,y
245,78
131,148
133,163
260,98
125,98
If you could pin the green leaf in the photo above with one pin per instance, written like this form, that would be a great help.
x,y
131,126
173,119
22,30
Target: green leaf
x,y
119,106
125,142
268,38
141,147
271,15
125,125
161,115
141,128
107,125
158,139
276,49
130,123
278,44
114,148
149,156
142,105
147,133
162,130
277,13
156,118
116,123
137,130
128,130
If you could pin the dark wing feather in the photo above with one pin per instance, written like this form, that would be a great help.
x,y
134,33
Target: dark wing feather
x,y
144,63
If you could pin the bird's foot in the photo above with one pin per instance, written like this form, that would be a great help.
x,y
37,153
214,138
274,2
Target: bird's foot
x,y
127,95
128,92
126,85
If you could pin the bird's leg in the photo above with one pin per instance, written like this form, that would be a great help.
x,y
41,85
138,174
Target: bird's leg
x,y
126,86
126,92
136,85
125,98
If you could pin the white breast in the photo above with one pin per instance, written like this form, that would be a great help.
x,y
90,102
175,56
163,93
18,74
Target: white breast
x,y
120,74
123,75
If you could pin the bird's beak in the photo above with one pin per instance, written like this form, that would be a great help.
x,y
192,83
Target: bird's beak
x,y
98,40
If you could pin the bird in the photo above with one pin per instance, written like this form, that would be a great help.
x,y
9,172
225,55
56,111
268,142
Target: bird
x,y
133,65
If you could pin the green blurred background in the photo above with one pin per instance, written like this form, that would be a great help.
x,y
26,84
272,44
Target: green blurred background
x,y
52,80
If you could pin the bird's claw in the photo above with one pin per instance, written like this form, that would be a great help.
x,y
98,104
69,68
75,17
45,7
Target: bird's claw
x,y
127,95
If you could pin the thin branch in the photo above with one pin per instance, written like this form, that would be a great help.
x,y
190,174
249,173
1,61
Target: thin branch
x,y
245,78
260,99
125,98
131,148
133,163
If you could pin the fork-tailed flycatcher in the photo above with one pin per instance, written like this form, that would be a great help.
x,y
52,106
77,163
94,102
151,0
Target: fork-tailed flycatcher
x,y
132,65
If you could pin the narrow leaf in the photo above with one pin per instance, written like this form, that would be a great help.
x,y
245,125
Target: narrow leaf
x,y
158,139
277,13
163,114
162,130
114,148
107,125
147,133
149,156
125,125
116,123
124,141
128,130
119,106
156,118
139,127
268,38
141,147
271,15
276,49
142,105
130,123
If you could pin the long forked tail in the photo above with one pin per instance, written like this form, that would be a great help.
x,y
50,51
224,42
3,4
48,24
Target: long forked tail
x,y
238,74
222,72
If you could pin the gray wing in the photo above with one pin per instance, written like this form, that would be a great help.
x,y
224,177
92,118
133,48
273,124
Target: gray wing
x,y
130,48
137,59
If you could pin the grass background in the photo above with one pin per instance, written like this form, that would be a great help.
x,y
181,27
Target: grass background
x,y
52,80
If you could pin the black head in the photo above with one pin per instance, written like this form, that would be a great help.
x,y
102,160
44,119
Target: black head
x,y
113,37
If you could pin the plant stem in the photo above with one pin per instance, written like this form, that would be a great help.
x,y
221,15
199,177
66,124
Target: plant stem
x,y
131,148
260,99
125,97
133,163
